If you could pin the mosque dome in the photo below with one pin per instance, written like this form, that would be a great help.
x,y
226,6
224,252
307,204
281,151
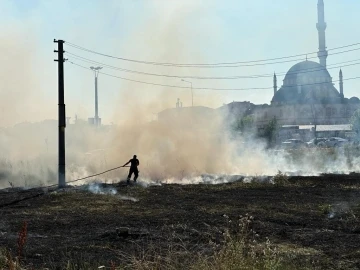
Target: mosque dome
x,y
307,82
354,100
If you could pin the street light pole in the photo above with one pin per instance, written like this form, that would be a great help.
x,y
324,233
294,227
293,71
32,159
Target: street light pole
x,y
192,94
96,72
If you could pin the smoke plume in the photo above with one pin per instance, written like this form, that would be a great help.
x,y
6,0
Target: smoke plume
x,y
182,145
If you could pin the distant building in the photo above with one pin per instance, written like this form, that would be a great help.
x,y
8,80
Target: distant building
x,y
184,116
308,95
92,121
306,132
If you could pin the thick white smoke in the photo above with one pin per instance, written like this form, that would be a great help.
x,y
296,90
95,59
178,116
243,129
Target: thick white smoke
x,y
193,147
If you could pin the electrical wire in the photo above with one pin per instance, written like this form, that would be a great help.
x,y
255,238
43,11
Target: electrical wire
x,y
168,85
213,65
204,88
83,59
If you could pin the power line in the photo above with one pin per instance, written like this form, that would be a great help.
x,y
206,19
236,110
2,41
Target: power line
x,y
83,59
266,64
206,88
172,86
214,65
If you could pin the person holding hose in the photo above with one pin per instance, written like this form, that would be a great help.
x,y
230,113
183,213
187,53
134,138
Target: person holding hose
x,y
133,168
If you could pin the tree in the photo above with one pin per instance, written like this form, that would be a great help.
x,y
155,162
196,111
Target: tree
x,y
311,100
314,115
355,122
270,131
244,124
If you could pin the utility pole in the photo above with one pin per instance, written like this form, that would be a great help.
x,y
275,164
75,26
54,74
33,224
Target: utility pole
x,y
192,95
62,114
96,72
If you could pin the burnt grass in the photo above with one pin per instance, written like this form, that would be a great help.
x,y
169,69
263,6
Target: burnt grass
x,y
316,219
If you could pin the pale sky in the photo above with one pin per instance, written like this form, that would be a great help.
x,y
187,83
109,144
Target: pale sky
x,y
186,31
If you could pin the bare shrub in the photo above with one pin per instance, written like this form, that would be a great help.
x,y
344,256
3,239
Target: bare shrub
x,y
7,261
241,250
22,239
281,179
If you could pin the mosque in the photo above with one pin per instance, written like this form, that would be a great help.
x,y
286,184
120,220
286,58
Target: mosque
x,y
307,98
308,95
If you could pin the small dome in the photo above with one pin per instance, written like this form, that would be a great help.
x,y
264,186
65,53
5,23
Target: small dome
x,y
354,100
307,82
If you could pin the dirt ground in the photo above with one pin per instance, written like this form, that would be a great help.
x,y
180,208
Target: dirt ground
x,y
316,218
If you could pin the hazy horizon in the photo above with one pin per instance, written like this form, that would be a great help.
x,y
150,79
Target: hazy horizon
x,y
162,31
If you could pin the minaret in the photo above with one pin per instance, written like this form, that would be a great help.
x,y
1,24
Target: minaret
x,y
341,85
321,27
275,84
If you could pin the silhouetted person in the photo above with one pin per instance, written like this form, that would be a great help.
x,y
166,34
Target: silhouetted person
x,y
133,168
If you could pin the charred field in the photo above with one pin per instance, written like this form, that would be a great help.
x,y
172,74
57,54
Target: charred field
x,y
301,223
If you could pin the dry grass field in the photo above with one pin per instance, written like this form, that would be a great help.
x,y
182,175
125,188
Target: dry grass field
x,y
297,223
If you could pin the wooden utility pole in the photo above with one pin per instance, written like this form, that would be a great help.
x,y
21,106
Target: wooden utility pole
x,y
62,114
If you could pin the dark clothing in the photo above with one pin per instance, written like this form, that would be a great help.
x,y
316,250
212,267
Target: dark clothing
x,y
135,171
134,162
133,168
